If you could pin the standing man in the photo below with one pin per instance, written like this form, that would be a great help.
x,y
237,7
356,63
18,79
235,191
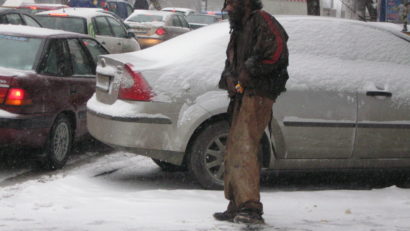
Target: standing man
x,y
255,74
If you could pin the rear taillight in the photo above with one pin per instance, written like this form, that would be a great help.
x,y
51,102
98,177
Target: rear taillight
x,y
134,86
160,31
14,97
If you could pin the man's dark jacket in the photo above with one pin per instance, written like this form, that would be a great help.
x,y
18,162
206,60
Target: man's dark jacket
x,y
260,46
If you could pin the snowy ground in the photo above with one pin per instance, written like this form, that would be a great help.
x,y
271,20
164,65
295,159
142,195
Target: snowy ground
x,y
122,191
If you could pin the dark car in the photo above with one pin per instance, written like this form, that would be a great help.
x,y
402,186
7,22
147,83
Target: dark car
x,y
15,17
46,79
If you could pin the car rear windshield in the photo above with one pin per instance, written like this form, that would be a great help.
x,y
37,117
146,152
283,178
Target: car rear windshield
x,y
73,24
145,18
21,51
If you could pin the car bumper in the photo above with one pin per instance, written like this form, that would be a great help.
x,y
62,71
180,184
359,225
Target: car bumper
x,y
23,130
148,42
147,135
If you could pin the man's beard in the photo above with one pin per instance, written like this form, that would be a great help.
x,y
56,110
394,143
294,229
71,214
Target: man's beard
x,y
235,17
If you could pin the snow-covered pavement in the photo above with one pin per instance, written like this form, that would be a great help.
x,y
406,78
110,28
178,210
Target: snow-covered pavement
x,y
122,191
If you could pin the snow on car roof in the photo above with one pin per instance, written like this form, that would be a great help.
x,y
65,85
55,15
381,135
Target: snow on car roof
x,y
345,47
76,12
32,31
152,12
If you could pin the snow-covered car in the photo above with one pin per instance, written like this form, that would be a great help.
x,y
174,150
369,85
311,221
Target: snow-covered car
x,y
107,29
347,103
152,27
46,78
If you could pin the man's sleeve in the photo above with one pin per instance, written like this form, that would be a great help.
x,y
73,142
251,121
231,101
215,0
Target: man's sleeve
x,y
270,49
225,74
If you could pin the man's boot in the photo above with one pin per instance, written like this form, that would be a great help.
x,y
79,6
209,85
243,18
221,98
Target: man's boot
x,y
224,216
249,216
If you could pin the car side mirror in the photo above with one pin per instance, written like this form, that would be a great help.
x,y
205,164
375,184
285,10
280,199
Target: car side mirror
x,y
130,35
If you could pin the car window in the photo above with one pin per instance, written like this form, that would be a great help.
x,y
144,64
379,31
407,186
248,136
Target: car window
x,y
94,48
175,21
14,19
102,26
30,21
21,51
183,21
119,31
73,24
129,10
336,40
79,58
56,59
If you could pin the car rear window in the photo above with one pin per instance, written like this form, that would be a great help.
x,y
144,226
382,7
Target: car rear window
x,y
73,24
145,18
21,51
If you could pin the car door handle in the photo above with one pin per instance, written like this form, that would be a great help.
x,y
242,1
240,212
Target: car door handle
x,y
103,42
119,44
379,93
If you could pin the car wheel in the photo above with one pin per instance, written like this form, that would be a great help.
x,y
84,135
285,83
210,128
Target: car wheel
x,y
167,167
59,144
206,156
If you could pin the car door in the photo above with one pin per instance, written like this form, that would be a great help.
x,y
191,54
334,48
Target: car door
x,y
184,23
55,68
105,35
384,109
82,80
175,28
128,43
318,124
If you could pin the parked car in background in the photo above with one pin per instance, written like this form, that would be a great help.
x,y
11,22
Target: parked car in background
x,y
107,29
199,20
152,27
347,105
33,8
15,17
183,11
46,79
122,8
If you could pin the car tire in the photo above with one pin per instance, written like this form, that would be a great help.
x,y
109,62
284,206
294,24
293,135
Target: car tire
x,y
206,155
167,167
59,144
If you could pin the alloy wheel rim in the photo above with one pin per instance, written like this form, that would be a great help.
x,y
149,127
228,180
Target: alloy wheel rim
x,y
214,157
61,141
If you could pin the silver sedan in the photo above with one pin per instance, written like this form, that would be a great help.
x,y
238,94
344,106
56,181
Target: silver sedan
x,y
347,103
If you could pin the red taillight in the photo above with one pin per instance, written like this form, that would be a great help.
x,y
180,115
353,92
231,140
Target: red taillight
x,y
138,90
160,31
16,97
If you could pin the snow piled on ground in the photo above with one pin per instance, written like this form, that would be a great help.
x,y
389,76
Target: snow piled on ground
x,y
123,191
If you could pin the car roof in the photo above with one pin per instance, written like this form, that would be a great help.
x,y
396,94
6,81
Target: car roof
x,y
153,12
29,31
77,12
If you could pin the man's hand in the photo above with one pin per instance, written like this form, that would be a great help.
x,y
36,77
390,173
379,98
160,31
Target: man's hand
x,y
231,82
244,78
